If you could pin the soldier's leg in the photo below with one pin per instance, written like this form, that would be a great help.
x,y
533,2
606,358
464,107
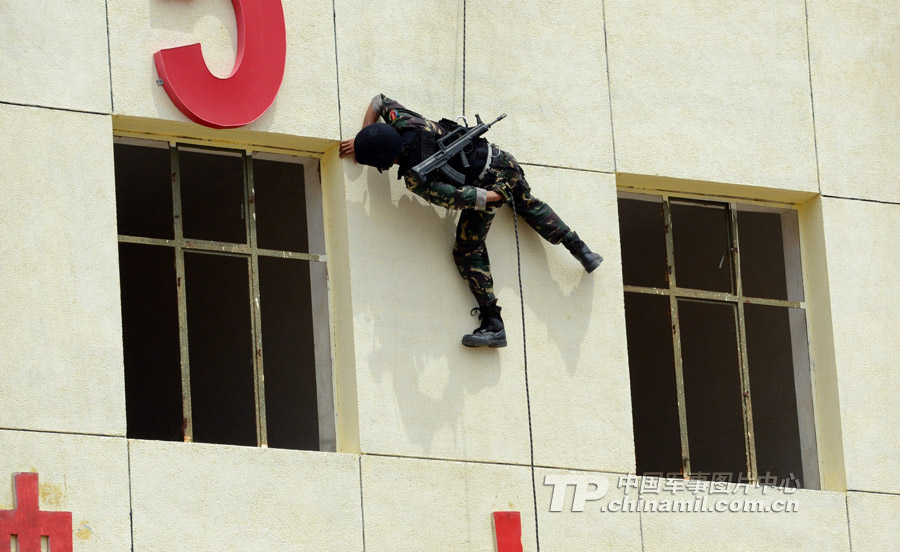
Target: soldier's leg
x,y
547,223
471,256
506,173
538,214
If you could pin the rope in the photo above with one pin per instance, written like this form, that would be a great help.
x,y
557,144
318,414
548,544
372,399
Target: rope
x,y
512,204
464,62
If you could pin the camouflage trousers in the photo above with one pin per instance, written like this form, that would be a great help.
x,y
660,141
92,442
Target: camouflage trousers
x,y
470,252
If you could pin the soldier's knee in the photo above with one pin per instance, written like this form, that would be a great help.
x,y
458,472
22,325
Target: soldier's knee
x,y
467,248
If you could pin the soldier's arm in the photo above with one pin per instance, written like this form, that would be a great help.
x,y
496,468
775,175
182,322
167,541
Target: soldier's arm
x,y
449,196
369,118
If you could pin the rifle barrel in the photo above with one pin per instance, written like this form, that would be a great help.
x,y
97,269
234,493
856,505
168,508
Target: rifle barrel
x,y
501,117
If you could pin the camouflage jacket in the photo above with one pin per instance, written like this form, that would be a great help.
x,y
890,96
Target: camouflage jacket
x,y
437,193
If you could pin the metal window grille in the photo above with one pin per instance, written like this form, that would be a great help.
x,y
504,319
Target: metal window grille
x,y
736,298
250,251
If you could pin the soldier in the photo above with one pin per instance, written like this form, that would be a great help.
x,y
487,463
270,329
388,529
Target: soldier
x,y
493,178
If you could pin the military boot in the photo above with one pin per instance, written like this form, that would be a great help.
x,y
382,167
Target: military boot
x,y
491,332
582,252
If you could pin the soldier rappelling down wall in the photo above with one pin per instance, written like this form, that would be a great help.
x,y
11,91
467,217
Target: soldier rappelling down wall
x,y
484,179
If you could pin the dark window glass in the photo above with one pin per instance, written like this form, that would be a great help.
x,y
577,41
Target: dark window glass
x,y
772,389
289,360
643,238
702,247
212,196
143,191
712,387
150,339
220,349
654,407
280,206
762,255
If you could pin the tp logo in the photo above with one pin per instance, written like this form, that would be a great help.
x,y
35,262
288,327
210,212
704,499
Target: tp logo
x,y
587,487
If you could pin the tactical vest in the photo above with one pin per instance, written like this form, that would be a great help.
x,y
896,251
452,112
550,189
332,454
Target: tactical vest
x,y
421,144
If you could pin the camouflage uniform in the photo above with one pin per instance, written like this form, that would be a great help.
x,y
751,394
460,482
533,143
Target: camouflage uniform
x,y
504,176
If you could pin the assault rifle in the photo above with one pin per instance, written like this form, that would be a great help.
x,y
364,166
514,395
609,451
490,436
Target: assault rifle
x,y
449,146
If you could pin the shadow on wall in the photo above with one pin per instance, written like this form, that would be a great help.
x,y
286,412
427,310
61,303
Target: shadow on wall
x,y
559,294
412,309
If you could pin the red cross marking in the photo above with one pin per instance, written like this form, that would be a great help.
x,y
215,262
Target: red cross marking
x,y
508,530
29,524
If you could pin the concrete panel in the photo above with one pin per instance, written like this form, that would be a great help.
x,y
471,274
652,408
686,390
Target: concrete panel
x,y
575,325
425,505
544,64
55,54
85,475
421,393
410,51
816,522
714,91
593,529
214,497
856,90
863,263
873,521
61,333
307,102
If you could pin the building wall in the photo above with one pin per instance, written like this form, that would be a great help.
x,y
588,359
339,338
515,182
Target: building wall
x,y
786,101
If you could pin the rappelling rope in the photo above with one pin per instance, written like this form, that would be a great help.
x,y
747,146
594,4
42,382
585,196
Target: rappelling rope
x,y
512,204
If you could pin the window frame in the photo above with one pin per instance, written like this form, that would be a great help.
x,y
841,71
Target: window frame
x,y
250,251
803,374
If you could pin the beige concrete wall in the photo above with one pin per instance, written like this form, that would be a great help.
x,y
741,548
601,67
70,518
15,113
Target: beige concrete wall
x,y
591,530
873,519
85,475
307,102
426,505
713,91
409,51
700,94
863,261
544,64
209,497
818,524
55,54
632,516
575,325
855,77
60,334
420,392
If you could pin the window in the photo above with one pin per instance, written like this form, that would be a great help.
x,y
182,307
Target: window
x,y
717,346
224,296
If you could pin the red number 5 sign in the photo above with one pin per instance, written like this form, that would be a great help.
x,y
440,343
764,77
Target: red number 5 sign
x,y
249,91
